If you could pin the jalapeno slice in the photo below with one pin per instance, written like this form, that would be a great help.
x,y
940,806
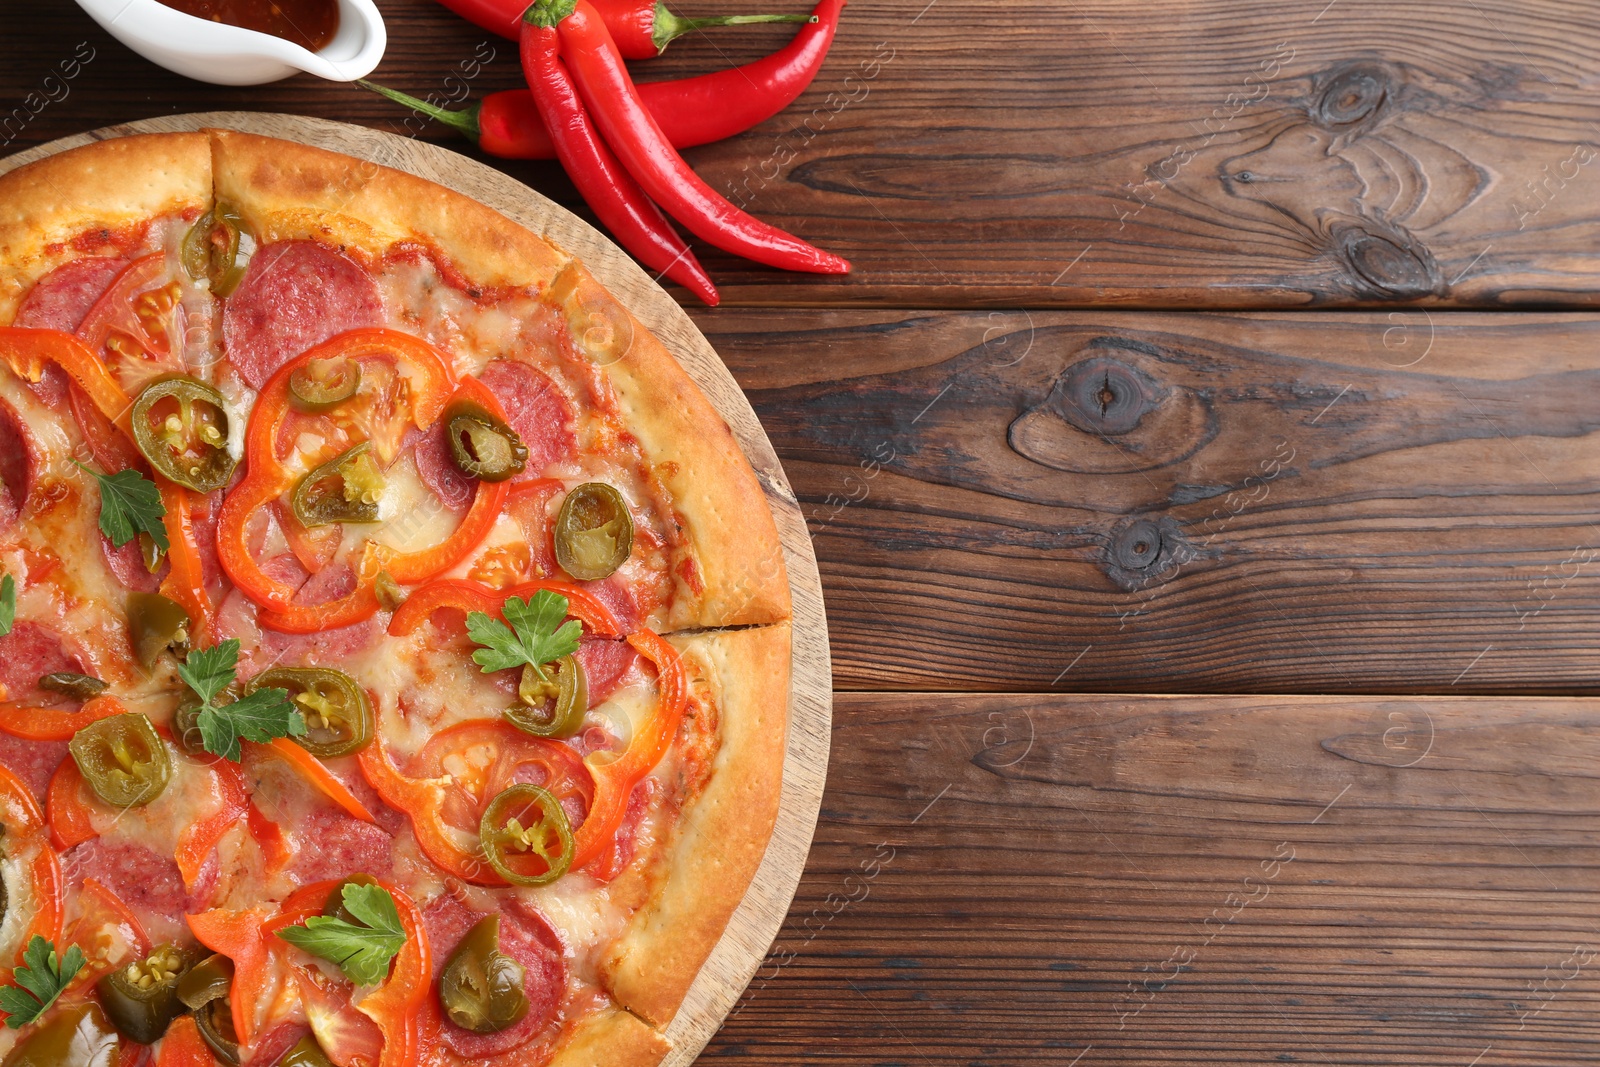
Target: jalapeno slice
x,y
181,426
123,759
306,1053
215,249
347,488
481,988
323,384
525,835
337,712
69,1036
141,998
594,532
553,707
72,684
155,624
204,991
483,445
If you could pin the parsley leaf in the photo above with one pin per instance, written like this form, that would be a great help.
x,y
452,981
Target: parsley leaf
x,y
130,504
8,604
43,975
259,716
535,637
362,949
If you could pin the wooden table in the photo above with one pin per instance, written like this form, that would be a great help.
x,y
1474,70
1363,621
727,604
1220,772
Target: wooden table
x,y
1283,424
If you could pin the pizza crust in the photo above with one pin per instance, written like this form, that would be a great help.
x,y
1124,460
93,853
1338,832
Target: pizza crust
x,y
718,842
610,1038
286,190
732,538
108,185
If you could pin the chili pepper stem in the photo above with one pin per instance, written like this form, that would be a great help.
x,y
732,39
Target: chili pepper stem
x,y
464,122
669,27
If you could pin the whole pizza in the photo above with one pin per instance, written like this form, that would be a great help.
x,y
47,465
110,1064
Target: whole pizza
x,y
395,655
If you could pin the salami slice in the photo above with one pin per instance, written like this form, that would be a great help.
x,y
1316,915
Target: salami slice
x,y
32,761
29,652
604,664
332,844
18,465
328,646
536,408
61,299
295,294
526,938
127,566
148,882
438,470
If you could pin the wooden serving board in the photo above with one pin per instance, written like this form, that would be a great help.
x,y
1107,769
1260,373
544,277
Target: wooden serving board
x,y
755,923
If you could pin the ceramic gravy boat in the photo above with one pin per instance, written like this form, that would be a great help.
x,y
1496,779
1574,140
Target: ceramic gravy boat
x,y
227,55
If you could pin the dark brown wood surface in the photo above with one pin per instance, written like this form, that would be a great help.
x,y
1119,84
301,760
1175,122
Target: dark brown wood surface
x,y
1323,422
1052,154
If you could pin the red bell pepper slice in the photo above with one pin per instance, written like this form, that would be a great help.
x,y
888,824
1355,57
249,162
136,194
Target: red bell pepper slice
x,y
183,1046
615,776
318,775
56,724
269,838
27,843
198,839
106,930
430,388
71,816
468,595
240,935
457,774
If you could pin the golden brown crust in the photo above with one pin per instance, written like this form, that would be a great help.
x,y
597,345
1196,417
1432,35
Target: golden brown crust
x,y
718,842
610,1038
109,185
287,190
732,538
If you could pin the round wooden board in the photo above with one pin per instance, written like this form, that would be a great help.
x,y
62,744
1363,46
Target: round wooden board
x,y
754,925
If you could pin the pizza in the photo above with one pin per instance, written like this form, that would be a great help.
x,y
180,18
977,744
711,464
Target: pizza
x,y
395,655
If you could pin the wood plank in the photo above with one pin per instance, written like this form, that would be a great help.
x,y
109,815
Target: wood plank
x,y
1292,502
1255,154
1186,880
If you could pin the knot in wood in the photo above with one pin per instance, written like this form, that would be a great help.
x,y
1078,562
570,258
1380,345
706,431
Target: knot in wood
x,y
1140,551
1105,395
1137,546
1352,93
1386,262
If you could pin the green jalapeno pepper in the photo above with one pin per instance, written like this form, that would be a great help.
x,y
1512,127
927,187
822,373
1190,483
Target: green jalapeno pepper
x,y
212,249
141,998
483,445
78,1035
553,708
306,1053
70,683
323,384
481,988
181,426
347,488
594,532
155,624
337,712
525,835
204,991
123,759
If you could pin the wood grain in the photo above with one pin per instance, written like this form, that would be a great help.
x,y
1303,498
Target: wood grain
x,y
1302,502
1070,154
750,930
1234,880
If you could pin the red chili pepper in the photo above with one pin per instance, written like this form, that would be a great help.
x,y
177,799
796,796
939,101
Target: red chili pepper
x,y
690,111
621,205
642,28
621,116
